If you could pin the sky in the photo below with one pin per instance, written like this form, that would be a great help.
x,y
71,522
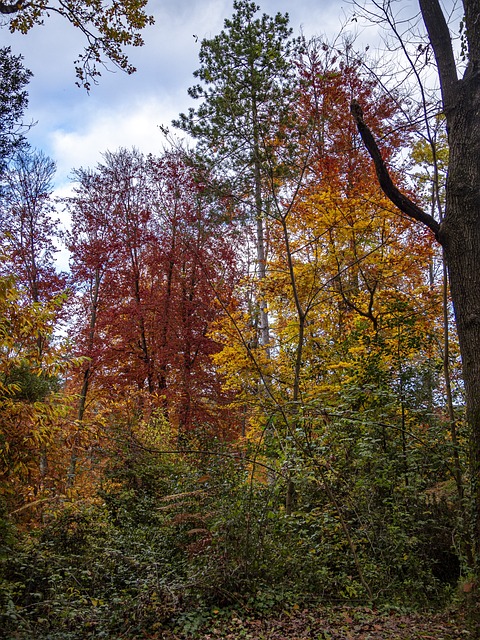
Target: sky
x,y
74,127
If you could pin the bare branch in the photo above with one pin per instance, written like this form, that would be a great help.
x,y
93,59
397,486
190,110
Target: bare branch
x,y
439,35
399,199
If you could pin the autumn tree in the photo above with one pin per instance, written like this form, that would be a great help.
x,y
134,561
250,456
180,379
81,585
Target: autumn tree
x,y
148,267
27,238
352,353
31,409
92,252
338,224
29,228
197,255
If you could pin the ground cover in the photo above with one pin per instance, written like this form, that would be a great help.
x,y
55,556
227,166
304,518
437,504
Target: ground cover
x,y
328,623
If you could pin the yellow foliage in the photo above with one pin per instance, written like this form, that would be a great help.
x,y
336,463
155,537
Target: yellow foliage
x,y
32,411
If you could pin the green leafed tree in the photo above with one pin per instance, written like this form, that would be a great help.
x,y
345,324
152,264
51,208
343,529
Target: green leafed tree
x,y
108,27
13,102
245,75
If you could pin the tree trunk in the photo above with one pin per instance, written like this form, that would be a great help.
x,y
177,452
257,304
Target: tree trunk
x,y
460,236
264,330
459,232
87,374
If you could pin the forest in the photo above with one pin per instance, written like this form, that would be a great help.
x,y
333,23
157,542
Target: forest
x,y
241,412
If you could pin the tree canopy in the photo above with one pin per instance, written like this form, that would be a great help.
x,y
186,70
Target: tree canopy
x,y
13,102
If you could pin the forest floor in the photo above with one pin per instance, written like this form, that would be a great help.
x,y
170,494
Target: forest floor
x,y
335,623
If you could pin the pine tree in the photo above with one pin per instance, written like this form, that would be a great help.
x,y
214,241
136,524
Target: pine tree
x,y
246,78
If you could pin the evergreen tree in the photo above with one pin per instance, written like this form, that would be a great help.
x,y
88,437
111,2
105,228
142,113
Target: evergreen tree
x,y
13,102
246,80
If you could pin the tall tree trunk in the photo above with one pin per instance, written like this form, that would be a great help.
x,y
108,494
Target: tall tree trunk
x,y
460,235
87,374
448,385
264,329
459,232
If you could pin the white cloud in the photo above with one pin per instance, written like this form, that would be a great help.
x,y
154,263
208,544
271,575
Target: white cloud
x,y
74,128
107,130
129,125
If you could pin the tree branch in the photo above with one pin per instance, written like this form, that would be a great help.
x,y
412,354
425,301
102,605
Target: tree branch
x,y
472,31
439,35
399,199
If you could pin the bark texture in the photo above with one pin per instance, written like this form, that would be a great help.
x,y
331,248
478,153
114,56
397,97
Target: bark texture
x,y
459,233
460,236
460,230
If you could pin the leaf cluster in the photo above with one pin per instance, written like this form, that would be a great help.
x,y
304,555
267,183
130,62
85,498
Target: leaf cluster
x,y
108,27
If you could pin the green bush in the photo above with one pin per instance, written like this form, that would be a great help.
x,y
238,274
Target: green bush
x,y
170,539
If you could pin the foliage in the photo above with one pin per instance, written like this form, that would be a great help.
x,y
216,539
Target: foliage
x,y
245,93
13,102
29,230
172,538
151,270
31,407
107,28
256,409
244,89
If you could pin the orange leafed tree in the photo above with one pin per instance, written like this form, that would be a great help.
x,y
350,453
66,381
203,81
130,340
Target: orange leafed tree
x,y
347,279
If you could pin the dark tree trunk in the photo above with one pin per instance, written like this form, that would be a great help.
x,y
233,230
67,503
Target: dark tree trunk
x,y
459,233
460,236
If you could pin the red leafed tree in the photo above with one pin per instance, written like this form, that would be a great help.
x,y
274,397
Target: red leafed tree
x,y
125,186
151,258
93,250
336,154
197,258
